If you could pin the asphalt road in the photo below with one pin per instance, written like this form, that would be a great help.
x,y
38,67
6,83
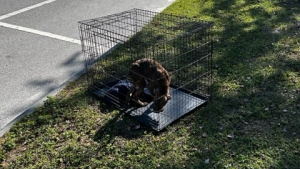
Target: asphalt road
x,y
40,50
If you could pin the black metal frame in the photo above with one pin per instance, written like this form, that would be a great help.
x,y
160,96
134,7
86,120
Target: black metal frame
x,y
182,45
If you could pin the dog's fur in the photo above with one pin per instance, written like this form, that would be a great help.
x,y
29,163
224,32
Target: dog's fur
x,y
149,73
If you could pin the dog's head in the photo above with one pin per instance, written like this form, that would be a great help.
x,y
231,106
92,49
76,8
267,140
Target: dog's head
x,y
134,72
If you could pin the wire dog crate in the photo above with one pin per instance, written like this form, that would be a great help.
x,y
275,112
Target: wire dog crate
x,y
182,45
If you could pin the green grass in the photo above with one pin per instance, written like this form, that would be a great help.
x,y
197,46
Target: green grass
x,y
253,120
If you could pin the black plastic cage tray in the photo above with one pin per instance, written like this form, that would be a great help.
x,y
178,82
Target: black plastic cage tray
x,y
182,45
181,103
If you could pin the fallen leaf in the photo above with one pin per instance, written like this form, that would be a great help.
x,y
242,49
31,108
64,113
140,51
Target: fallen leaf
x,y
3,164
231,136
206,150
137,126
284,130
206,161
194,149
204,135
221,128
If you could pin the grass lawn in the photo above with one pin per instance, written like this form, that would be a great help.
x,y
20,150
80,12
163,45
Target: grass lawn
x,y
253,120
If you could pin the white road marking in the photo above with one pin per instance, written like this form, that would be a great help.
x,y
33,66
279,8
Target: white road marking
x,y
25,9
42,33
29,30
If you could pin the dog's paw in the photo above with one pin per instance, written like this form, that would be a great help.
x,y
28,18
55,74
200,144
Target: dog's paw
x,y
142,103
158,111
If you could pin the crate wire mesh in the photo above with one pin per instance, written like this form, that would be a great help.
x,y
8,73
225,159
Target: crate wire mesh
x,y
183,46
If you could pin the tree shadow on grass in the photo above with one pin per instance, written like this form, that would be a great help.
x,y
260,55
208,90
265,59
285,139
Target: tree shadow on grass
x,y
256,90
